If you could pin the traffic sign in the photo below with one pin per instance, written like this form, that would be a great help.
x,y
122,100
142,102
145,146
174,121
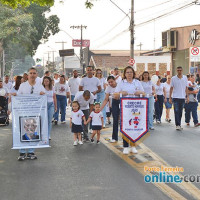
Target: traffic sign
x,y
77,43
131,61
66,52
194,54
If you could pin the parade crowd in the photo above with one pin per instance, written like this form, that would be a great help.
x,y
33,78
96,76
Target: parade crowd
x,y
94,98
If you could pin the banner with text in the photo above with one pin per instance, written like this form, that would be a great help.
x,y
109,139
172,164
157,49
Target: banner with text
x,y
134,119
30,122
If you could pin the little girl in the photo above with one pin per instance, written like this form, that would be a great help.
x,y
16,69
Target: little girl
x,y
97,122
76,122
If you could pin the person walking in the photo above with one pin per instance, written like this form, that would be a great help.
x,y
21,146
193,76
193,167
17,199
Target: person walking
x,y
159,99
127,87
179,93
168,105
101,94
192,105
30,87
62,93
90,82
74,83
51,101
110,90
149,90
86,102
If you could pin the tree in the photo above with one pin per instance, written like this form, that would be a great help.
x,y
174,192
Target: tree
x,y
26,3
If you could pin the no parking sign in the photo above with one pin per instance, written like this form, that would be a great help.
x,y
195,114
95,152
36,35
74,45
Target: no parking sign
x,y
194,54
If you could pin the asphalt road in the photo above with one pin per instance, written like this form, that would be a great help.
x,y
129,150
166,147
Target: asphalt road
x,y
65,172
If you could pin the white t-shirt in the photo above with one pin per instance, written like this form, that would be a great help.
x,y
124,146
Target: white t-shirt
x,y
61,89
102,82
167,89
13,90
77,117
39,80
74,85
159,89
110,90
90,84
96,118
147,86
5,89
130,88
8,86
179,86
26,88
118,79
84,105
49,94
56,80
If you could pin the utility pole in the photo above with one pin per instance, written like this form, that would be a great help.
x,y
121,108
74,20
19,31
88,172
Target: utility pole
x,y
63,58
140,45
81,49
131,28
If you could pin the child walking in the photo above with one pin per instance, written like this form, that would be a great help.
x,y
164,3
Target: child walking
x,y
97,122
76,122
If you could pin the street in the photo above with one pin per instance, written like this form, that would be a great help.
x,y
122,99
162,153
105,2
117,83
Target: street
x,y
98,172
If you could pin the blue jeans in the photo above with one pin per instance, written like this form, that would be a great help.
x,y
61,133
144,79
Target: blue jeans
x,y
50,109
100,98
115,114
191,107
72,98
178,110
159,107
61,105
150,113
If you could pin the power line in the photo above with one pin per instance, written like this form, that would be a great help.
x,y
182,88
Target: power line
x,y
148,21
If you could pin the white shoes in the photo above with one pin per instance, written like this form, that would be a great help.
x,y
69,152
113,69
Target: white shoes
x,y
112,140
179,128
80,142
75,143
152,128
126,151
134,150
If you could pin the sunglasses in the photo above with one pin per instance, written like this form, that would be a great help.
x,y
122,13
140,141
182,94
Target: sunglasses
x,y
32,88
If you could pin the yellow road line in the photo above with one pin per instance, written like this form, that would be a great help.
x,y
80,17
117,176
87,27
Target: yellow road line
x,y
157,161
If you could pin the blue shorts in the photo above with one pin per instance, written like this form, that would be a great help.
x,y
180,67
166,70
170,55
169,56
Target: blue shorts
x,y
77,128
96,127
168,105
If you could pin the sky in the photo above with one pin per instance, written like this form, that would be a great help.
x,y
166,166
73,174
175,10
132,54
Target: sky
x,y
107,26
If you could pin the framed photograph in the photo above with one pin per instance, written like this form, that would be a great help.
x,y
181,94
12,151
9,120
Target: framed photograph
x,y
30,128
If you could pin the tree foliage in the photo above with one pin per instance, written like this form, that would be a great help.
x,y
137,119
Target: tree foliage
x,y
26,3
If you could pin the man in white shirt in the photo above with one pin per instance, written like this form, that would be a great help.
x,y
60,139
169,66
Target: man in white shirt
x,y
7,84
56,78
86,101
74,83
30,87
179,92
117,76
90,82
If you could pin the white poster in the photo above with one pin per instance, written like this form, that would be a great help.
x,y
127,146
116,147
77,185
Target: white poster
x,y
30,122
134,118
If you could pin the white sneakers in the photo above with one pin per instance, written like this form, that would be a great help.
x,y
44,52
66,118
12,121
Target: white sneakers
x,y
127,150
112,140
77,142
179,128
80,142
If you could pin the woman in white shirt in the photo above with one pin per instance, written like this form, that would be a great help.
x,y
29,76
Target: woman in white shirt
x,y
51,101
128,86
101,94
168,105
160,90
62,93
149,90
